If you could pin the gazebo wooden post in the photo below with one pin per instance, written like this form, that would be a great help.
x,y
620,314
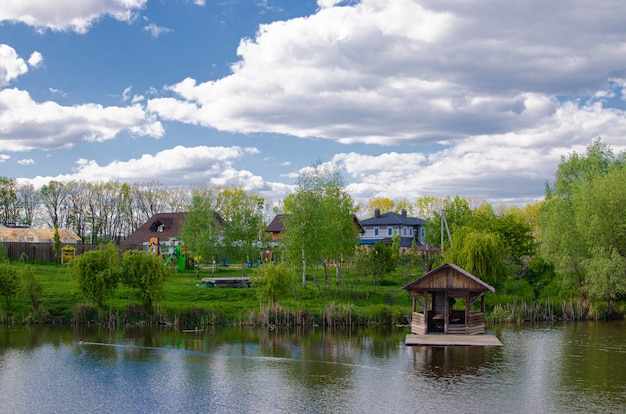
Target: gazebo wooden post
x,y
467,311
426,311
446,316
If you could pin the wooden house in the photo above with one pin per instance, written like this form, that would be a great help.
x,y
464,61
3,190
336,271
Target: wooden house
x,y
32,235
448,300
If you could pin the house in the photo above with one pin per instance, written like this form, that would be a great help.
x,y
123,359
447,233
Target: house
x,y
162,230
277,226
383,227
32,235
445,301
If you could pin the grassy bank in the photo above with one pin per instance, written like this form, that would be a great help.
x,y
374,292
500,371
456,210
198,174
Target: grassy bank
x,y
186,303
355,301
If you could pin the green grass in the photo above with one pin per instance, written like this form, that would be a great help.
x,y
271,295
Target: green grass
x,y
353,302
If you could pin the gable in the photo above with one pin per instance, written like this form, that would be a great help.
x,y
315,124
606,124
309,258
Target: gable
x,y
448,277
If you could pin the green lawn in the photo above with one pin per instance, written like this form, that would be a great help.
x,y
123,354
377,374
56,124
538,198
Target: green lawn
x,y
185,301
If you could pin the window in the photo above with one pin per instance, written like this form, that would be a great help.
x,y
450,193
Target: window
x,y
389,231
375,231
404,230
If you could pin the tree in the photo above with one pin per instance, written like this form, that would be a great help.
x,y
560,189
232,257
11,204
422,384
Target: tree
x,y
97,273
582,215
382,204
456,213
53,196
479,252
320,226
145,274
273,281
9,282
201,227
9,201
243,214
377,260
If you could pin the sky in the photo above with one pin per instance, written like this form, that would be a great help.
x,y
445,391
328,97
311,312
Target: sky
x,y
409,98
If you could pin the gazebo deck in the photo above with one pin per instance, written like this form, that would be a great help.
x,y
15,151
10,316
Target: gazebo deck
x,y
452,340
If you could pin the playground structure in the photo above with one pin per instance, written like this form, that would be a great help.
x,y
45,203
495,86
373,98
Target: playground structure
x,y
171,251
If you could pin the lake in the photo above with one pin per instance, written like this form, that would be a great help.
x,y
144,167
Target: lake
x,y
542,368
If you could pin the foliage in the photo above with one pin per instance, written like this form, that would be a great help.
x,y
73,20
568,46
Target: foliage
x,y
582,222
31,286
320,226
376,261
9,201
201,226
273,281
478,252
9,283
243,214
145,274
97,273
456,212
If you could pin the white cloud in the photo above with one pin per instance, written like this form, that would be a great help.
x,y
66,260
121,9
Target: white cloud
x,y
35,59
26,161
4,158
11,65
177,166
67,15
400,72
26,124
156,31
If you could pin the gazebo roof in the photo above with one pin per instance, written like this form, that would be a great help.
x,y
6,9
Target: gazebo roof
x,y
448,277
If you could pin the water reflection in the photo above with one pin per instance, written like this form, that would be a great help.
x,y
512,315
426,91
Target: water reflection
x,y
540,368
451,362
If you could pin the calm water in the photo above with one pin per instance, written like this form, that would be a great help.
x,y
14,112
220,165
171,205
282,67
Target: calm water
x,y
563,368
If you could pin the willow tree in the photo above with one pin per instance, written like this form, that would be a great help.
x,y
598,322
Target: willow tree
x,y
479,252
320,225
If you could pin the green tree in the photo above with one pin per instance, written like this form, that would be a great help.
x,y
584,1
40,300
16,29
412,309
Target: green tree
x,y
582,215
145,274
376,261
479,252
243,214
9,282
273,281
9,201
320,226
456,213
97,273
201,227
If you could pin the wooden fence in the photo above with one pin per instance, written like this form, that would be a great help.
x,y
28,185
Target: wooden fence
x,y
34,252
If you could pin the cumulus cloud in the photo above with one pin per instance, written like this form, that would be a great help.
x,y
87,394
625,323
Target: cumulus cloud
x,y
11,65
26,124
177,166
35,59
67,15
381,72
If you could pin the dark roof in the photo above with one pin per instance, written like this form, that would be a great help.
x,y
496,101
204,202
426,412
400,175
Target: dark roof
x,y
171,224
390,219
277,225
425,282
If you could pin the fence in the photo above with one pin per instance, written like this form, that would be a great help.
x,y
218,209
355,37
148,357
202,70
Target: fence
x,y
45,252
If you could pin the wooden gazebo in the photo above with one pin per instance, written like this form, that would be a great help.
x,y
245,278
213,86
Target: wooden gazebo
x,y
445,300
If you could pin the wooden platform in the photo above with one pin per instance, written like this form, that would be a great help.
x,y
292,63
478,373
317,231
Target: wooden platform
x,y
227,281
452,340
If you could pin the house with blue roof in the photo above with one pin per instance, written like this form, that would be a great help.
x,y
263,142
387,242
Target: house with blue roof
x,y
383,227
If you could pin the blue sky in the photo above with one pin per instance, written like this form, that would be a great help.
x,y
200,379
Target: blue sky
x,y
408,98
